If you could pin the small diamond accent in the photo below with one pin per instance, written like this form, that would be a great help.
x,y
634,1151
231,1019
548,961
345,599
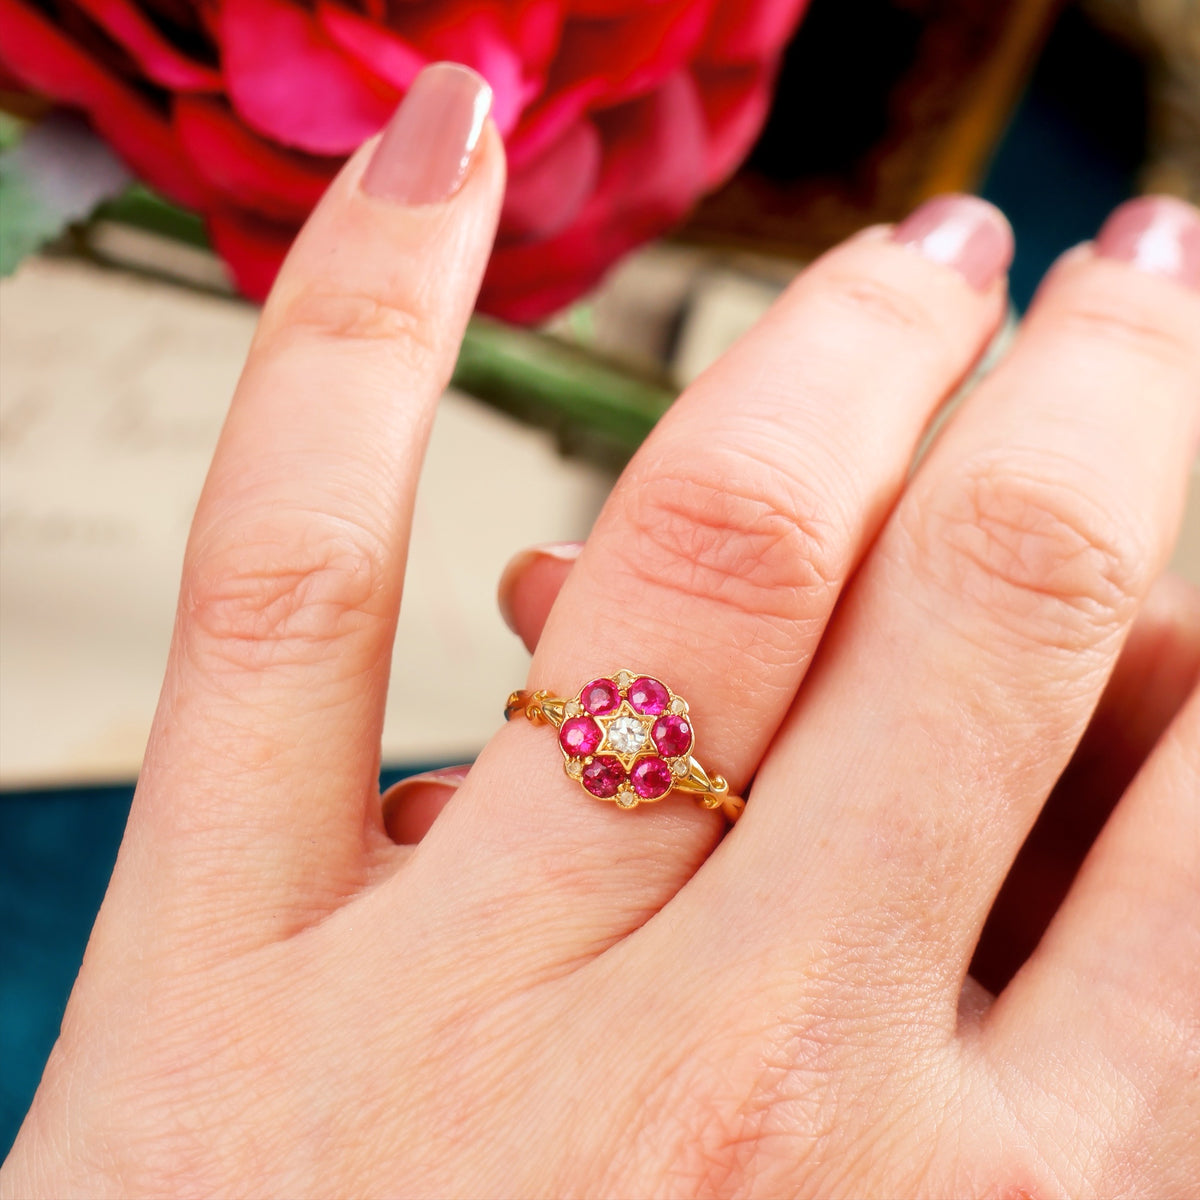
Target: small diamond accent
x,y
678,706
573,708
627,799
679,767
574,767
624,679
626,735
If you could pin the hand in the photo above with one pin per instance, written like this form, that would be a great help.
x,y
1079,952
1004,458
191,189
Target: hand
x,y
546,996
1157,670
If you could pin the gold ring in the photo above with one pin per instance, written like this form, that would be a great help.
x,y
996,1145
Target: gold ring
x,y
627,737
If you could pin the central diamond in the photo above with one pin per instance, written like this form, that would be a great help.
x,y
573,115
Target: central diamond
x,y
626,735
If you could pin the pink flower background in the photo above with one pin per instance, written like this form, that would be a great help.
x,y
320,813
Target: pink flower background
x,y
617,114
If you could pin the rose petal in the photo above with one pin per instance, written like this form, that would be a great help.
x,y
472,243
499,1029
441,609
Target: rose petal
x,y
509,45
164,63
45,60
653,171
605,8
548,120
305,93
545,195
633,55
476,35
535,28
736,101
242,167
252,248
751,29
380,50
530,28
478,41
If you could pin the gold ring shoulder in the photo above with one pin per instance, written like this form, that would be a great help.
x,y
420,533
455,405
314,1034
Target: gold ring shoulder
x,y
710,791
539,708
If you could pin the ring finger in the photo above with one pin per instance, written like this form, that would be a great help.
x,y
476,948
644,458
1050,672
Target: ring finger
x,y
718,558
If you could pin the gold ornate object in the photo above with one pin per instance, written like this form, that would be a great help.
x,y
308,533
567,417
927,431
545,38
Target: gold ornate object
x,y
628,738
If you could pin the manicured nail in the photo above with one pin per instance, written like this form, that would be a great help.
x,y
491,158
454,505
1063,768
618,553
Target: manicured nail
x,y
451,777
1158,234
520,563
411,805
962,232
427,147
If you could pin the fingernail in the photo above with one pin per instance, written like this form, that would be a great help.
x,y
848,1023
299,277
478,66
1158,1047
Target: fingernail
x,y
962,232
411,805
427,147
451,777
1158,234
520,563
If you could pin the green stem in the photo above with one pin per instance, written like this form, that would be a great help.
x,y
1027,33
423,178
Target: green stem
x,y
595,407
144,209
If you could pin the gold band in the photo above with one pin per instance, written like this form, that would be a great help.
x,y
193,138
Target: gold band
x,y
628,738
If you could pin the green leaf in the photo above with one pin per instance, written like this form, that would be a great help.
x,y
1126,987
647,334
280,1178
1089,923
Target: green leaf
x,y
53,176
12,129
25,223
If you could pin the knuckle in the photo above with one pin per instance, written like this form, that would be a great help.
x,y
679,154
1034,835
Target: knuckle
x,y
1108,321
1043,560
399,320
745,1131
284,594
879,303
728,532
805,1059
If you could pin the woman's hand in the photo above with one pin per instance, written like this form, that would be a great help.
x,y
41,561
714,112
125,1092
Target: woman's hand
x,y
547,996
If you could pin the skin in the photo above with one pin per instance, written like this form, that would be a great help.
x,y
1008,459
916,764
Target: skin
x,y
539,995
1158,668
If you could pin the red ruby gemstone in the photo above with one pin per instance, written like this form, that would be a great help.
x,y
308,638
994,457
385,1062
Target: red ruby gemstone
x,y
600,697
579,736
651,778
672,735
648,696
603,776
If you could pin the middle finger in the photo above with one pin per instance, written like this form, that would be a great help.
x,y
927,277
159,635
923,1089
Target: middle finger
x,y
968,657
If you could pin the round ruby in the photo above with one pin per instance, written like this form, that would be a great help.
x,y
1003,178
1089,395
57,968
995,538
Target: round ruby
x,y
580,736
603,776
672,735
651,778
648,696
600,697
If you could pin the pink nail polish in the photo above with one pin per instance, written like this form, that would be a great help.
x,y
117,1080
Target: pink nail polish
x,y
563,551
520,563
1158,234
452,777
427,147
962,232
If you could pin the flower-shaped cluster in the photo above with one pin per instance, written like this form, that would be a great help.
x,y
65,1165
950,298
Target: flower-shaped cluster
x,y
626,738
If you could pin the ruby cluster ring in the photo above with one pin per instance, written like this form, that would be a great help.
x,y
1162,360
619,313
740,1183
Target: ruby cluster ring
x,y
627,738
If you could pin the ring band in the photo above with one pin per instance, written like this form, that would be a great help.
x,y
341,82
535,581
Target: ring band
x,y
627,738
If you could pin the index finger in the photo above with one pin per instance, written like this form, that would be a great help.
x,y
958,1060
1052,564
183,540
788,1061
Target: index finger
x,y
265,750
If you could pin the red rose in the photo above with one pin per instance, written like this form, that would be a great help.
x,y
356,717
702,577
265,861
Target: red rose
x,y
617,114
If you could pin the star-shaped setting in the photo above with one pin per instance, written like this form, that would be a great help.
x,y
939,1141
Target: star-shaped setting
x,y
625,734
626,738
